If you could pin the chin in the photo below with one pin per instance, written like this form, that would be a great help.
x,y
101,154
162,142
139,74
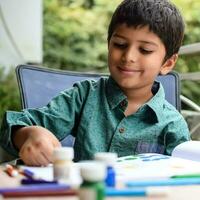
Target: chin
x,y
126,85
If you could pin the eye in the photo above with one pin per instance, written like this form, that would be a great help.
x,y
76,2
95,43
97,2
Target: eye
x,y
119,45
145,51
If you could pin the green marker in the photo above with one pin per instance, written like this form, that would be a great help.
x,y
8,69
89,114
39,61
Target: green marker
x,y
186,176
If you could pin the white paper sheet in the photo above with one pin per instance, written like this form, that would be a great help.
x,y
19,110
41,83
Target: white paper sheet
x,y
188,150
154,166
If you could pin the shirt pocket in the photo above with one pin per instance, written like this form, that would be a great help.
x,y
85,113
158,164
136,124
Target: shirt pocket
x,y
145,147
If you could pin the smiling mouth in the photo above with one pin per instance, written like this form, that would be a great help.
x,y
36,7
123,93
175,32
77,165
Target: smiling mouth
x,y
129,70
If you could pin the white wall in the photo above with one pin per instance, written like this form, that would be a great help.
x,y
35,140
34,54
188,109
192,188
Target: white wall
x,y
20,32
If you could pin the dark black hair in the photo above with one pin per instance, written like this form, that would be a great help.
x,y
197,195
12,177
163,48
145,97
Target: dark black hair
x,y
161,16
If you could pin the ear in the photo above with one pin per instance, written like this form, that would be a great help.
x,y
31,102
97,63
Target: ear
x,y
168,64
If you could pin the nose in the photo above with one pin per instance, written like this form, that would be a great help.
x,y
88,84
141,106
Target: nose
x,y
130,55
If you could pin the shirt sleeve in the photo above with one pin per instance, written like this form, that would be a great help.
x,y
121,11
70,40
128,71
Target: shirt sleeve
x,y
59,116
175,133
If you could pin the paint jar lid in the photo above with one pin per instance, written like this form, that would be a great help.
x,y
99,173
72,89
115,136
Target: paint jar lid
x,y
63,153
108,158
93,171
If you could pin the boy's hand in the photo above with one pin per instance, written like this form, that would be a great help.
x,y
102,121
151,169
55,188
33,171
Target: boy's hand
x,y
38,145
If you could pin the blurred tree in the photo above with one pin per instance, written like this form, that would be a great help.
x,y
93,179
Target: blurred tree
x,y
9,94
75,34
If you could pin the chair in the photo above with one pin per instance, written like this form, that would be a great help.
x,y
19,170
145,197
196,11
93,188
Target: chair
x,y
38,85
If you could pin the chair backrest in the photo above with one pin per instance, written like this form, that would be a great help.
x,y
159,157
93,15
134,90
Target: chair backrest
x,y
38,85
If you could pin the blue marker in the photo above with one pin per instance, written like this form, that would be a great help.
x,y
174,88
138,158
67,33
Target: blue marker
x,y
27,173
164,182
36,181
113,192
35,188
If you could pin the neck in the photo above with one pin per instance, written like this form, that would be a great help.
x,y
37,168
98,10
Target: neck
x,y
138,95
136,98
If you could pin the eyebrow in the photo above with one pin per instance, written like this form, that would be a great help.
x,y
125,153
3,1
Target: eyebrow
x,y
141,41
148,42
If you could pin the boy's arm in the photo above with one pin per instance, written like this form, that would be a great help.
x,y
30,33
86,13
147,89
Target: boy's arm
x,y
35,144
58,117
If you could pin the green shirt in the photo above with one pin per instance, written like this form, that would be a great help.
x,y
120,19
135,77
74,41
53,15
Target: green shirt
x,y
93,112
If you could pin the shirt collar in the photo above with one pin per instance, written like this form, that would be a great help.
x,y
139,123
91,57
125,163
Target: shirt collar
x,y
113,90
157,101
155,104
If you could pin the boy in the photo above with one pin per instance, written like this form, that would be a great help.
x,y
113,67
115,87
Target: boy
x,y
126,113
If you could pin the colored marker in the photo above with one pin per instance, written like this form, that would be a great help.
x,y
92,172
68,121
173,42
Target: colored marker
x,y
164,182
186,176
38,190
29,174
113,192
11,171
36,181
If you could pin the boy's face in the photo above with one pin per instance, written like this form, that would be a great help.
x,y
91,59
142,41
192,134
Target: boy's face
x,y
136,57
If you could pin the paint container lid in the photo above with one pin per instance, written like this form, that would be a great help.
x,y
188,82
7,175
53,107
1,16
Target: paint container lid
x,y
93,171
108,158
63,153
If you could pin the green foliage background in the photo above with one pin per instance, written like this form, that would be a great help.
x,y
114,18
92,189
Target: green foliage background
x,y
9,95
75,37
75,33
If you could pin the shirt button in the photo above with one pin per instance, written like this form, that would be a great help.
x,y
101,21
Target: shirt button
x,y
121,130
123,103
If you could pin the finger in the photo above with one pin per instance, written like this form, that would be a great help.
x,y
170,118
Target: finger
x,y
48,153
40,160
28,157
47,159
49,148
37,157
56,143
